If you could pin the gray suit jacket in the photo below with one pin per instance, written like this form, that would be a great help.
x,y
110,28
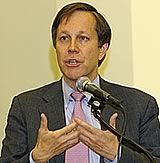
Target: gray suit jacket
x,y
24,120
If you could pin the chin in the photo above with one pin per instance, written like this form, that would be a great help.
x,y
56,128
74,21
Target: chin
x,y
73,77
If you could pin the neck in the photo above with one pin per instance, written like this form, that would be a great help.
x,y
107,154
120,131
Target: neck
x,y
72,82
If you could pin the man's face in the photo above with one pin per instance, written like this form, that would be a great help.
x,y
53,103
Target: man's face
x,y
77,47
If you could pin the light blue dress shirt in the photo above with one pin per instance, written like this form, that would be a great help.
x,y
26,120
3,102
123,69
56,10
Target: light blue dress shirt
x,y
69,106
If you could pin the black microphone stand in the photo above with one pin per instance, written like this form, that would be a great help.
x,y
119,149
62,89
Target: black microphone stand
x,y
96,107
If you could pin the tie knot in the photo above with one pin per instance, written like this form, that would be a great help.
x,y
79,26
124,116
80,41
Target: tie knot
x,y
77,96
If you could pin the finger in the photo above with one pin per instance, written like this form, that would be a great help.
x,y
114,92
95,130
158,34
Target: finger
x,y
113,120
44,123
71,137
82,126
67,140
67,129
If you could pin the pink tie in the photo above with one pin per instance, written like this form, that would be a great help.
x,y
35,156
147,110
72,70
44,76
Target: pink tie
x,y
78,153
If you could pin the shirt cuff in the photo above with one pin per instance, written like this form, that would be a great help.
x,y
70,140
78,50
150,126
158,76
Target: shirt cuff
x,y
30,158
115,160
109,161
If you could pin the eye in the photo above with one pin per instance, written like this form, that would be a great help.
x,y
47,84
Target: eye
x,y
64,38
83,38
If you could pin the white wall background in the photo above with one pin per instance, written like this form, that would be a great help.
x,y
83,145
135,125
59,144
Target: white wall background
x,y
28,61
146,48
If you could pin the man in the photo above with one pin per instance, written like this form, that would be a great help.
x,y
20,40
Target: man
x,y
40,126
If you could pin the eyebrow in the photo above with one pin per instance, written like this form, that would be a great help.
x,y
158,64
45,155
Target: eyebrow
x,y
79,33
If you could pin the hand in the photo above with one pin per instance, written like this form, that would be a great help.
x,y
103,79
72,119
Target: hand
x,y
52,143
103,143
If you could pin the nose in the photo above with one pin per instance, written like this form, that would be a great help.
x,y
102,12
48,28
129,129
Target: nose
x,y
73,47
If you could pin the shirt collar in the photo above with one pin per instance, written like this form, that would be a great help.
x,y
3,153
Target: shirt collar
x,y
67,90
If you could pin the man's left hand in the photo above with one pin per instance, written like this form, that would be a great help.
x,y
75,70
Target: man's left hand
x,y
102,142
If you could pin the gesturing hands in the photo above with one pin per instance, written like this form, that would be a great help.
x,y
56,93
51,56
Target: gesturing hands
x,y
52,143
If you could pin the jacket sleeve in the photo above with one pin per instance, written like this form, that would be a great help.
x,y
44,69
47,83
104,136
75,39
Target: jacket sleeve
x,y
150,129
15,145
149,135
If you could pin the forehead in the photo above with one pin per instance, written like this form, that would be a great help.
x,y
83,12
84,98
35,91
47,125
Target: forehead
x,y
79,19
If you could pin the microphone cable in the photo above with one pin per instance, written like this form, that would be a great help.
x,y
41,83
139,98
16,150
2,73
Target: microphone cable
x,y
96,110
97,105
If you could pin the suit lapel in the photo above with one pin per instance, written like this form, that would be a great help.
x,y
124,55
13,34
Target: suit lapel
x,y
110,109
54,109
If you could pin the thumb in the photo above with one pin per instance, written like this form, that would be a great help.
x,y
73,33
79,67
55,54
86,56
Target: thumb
x,y
44,123
113,119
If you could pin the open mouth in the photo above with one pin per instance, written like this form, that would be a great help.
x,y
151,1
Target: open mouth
x,y
73,61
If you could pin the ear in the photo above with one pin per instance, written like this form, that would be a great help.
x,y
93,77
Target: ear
x,y
103,51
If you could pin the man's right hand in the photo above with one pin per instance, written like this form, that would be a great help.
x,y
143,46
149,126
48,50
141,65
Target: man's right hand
x,y
52,143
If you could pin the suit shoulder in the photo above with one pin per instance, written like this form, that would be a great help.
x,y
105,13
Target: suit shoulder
x,y
124,91
41,90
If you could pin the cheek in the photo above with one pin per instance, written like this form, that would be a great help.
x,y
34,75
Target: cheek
x,y
91,61
92,55
59,57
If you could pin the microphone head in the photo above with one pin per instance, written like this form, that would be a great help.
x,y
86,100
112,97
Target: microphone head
x,y
81,82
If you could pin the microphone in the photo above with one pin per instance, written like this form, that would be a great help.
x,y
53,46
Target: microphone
x,y
84,83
